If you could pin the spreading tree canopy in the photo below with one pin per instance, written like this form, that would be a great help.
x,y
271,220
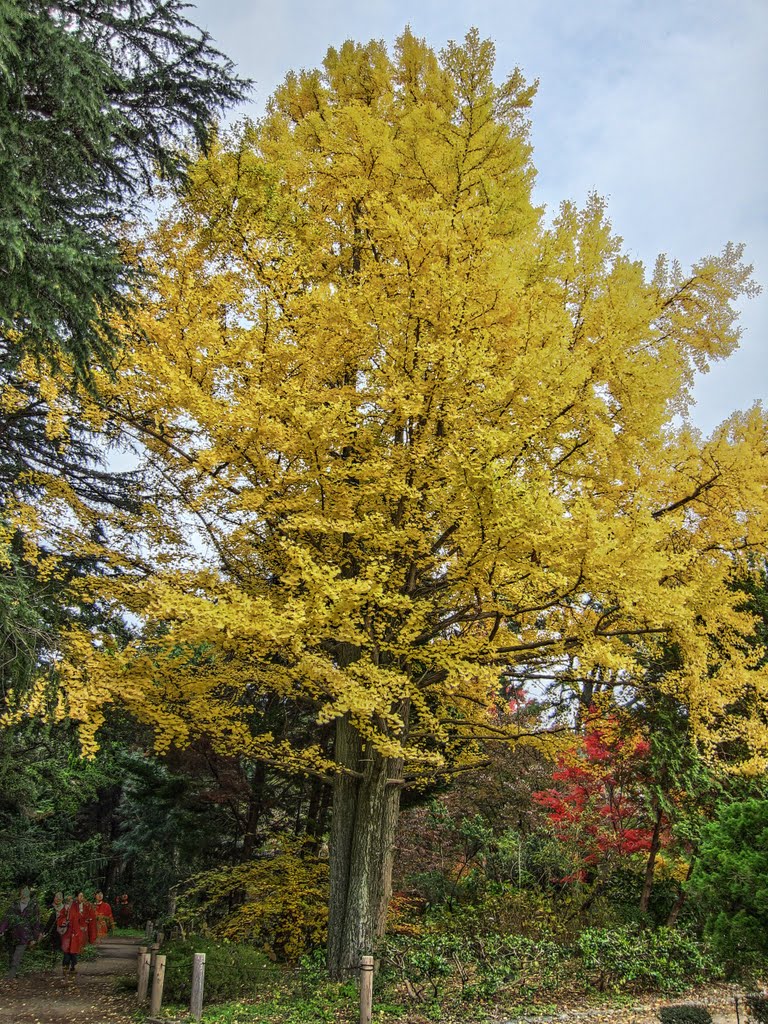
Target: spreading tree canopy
x,y
406,439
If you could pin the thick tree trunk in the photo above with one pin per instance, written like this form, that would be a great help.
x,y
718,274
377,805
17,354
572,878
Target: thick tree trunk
x,y
645,897
366,805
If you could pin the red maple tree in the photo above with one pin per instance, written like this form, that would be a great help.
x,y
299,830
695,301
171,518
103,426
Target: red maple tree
x,y
602,803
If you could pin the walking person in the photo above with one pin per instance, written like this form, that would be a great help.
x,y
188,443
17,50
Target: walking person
x,y
103,917
22,920
68,926
124,911
51,935
87,921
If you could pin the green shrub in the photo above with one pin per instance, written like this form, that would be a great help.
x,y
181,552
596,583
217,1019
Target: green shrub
x,y
232,970
688,1013
503,909
666,960
425,963
731,880
532,965
757,1004
430,965
433,965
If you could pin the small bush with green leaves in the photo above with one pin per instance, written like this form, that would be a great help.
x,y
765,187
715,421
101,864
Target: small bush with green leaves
x,y
502,909
631,958
429,965
688,1013
532,965
424,964
232,970
612,959
757,1004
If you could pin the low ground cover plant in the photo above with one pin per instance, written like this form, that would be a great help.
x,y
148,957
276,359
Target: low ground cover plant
x,y
630,958
625,959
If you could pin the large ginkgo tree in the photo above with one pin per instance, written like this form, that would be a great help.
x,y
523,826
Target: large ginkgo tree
x,y
403,437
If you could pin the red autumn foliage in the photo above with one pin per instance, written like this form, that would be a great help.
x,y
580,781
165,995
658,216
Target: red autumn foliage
x,y
600,803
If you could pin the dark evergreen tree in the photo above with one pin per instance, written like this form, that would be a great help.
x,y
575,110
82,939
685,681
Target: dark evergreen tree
x,y
96,98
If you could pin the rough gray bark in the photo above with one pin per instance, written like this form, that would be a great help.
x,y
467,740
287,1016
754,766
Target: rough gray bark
x,y
366,805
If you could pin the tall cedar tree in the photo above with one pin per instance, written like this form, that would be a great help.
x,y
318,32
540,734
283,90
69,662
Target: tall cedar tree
x,y
96,97
426,439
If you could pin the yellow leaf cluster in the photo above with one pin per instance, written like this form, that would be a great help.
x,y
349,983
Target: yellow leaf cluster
x,y
281,902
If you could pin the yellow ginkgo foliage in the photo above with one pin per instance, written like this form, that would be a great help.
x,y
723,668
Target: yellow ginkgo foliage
x,y
401,437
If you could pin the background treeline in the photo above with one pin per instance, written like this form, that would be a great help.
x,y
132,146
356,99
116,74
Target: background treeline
x,y
517,873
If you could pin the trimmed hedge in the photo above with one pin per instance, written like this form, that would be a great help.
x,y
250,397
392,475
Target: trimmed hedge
x,y
688,1013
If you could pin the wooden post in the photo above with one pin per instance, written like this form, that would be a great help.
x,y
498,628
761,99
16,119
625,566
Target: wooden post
x,y
160,938
153,955
139,961
198,983
144,959
149,930
157,985
366,989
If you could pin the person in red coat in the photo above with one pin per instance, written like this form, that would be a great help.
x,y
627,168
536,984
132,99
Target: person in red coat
x,y
102,915
87,919
71,932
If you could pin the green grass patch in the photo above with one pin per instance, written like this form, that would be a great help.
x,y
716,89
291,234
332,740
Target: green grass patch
x,y
129,933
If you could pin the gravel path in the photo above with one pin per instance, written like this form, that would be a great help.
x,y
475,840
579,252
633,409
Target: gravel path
x,y
87,998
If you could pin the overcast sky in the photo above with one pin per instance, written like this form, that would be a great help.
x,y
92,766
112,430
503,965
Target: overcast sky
x,y
659,105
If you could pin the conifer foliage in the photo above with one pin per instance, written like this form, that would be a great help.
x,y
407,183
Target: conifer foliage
x,y
96,97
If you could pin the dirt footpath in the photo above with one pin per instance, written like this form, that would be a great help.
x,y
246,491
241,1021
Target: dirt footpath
x,y
88,997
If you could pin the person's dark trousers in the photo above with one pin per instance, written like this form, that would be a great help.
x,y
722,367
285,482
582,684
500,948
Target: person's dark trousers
x,y
18,953
70,961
